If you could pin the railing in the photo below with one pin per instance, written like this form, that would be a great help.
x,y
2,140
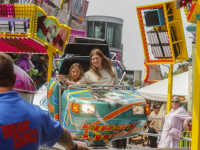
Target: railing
x,y
100,86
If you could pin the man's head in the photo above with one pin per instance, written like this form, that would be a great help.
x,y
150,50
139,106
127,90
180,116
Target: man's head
x,y
7,76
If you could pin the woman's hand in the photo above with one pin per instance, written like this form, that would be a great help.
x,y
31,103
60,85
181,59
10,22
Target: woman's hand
x,y
60,78
163,115
157,130
185,123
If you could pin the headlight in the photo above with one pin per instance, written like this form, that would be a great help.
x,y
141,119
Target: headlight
x,y
87,109
138,110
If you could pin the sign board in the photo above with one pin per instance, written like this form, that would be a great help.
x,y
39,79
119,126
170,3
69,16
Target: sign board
x,y
162,33
74,34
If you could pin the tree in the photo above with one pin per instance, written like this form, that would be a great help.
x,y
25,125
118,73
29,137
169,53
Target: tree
x,y
125,78
165,75
138,83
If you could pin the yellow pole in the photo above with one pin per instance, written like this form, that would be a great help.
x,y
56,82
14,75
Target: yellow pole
x,y
170,82
50,54
196,95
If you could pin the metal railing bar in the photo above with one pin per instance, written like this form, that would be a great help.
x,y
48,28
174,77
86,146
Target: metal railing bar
x,y
99,85
158,135
150,134
156,118
136,146
27,91
178,148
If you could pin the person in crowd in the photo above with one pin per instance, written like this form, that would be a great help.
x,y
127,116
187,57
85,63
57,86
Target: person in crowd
x,y
75,72
24,126
157,124
153,139
101,71
177,118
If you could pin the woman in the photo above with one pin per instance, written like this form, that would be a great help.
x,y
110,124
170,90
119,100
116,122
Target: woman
x,y
153,139
177,118
101,71
157,124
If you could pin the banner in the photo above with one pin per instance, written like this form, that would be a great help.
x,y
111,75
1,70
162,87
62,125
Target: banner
x,y
74,34
77,24
63,15
83,10
58,3
50,10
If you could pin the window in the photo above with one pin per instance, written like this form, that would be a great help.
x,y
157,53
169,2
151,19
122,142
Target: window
x,y
114,35
99,30
89,29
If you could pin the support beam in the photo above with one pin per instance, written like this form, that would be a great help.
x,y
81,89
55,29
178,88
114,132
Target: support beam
x,y
196,95
50,54
170,84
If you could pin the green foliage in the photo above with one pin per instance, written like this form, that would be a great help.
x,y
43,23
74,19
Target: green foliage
x,y
130,82
165,75
178,71
12,1
125,78
137,83
180,68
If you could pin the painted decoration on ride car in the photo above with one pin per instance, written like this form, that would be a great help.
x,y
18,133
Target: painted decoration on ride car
x,y
108,136
109,117
108,127
49,31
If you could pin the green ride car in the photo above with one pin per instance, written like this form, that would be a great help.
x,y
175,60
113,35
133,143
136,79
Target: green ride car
x,y
95,115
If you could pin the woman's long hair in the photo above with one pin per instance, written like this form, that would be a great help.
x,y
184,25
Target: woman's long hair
x,y
163,111
75,65
106,63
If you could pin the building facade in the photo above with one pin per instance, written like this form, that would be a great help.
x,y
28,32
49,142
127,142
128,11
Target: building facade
x,y
109,28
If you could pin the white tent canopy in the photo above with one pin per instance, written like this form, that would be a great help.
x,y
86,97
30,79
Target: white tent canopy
x,y
159,90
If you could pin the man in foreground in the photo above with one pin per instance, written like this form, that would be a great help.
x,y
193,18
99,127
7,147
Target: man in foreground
x,y
24,126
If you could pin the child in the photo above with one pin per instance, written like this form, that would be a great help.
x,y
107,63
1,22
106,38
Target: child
x,y
75,72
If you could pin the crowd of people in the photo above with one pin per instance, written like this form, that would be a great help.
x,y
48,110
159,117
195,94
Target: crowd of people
x,y
170,127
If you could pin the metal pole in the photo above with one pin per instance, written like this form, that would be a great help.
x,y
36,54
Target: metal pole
x,y
59,104
170,82
196,94
50,54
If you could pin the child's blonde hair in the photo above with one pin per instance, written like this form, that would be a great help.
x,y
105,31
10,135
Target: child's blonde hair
x,y
76,65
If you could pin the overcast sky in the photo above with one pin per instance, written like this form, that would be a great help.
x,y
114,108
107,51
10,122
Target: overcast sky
x,y
133,55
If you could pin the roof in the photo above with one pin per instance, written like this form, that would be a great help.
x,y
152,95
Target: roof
x,y
158,91
85,45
